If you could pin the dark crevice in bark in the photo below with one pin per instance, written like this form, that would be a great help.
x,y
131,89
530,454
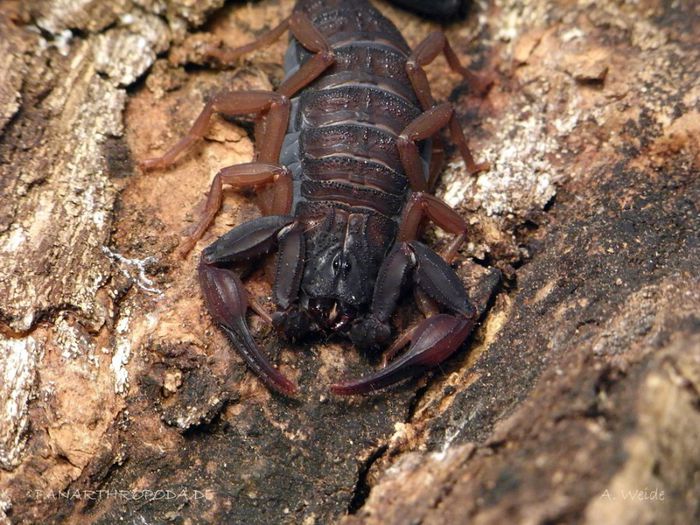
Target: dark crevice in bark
x,y
362,486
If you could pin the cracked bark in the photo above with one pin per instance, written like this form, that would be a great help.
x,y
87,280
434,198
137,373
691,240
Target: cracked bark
x,y
575,401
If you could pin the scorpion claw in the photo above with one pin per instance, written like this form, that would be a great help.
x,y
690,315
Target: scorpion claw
x,y
227,301
433,341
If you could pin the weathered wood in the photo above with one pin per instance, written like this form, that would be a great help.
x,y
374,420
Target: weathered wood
x,y
576,400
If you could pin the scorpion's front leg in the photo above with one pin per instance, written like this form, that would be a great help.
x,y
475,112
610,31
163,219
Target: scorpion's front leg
x,y
242,176
226,297
434,339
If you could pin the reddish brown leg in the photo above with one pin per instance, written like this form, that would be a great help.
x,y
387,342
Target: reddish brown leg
x,y
298,24
230,104
240,177
308,36
311,38
259,309
424,54
458,136
437,161
422,205
228,56
274,130
275,105
424,126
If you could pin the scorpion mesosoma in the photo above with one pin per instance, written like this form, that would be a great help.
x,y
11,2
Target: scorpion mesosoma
x,y
347,156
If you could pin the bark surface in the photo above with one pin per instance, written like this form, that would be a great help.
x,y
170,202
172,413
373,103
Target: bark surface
x,y
577,400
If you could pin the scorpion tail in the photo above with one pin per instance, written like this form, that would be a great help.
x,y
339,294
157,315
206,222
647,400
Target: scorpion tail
x,y
433,341
227,301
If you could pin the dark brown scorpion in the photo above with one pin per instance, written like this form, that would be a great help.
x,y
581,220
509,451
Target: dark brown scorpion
x,y
347,155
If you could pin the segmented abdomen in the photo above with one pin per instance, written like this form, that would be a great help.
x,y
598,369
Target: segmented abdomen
x,y
341,143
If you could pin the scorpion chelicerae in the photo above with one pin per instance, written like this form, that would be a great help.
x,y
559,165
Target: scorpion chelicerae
x,y
347,155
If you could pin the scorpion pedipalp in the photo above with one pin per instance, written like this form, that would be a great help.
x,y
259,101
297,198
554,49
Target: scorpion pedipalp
x,y
436,337
226,297
227,302
433,341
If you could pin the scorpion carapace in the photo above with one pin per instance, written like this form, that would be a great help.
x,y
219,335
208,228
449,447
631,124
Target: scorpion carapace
x,y
347,154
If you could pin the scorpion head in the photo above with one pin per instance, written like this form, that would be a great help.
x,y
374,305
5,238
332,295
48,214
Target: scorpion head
x,y
341,268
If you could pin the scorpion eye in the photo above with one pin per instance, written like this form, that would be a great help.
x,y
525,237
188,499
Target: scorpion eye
x,y
341,263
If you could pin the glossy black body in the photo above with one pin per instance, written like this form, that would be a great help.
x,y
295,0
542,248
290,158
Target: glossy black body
x,y
440,9
350,189
340,267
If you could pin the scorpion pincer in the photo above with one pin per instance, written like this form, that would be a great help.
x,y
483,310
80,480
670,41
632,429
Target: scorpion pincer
x,y
347,155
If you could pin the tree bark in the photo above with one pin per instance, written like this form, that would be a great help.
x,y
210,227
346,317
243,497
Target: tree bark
x,y
577,400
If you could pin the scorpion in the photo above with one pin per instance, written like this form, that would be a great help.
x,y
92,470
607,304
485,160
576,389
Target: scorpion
x,y
347,155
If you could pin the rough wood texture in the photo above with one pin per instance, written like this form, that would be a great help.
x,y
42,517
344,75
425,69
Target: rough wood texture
x,y
577,400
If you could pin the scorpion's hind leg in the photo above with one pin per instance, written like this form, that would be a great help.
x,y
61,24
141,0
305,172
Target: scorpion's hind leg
x,y
434,44
274,104
423,127
228,56
424,53
231,103
265,171
306,34
437,162
226,297
435,338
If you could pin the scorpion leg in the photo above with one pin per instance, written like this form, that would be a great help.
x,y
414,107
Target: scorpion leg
x,y
421,205
231,104
306,34
311,38
422,127
437,161
275,104
435,338
457,135
228,56
226,297
303,30
242,176
425,126
424,54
